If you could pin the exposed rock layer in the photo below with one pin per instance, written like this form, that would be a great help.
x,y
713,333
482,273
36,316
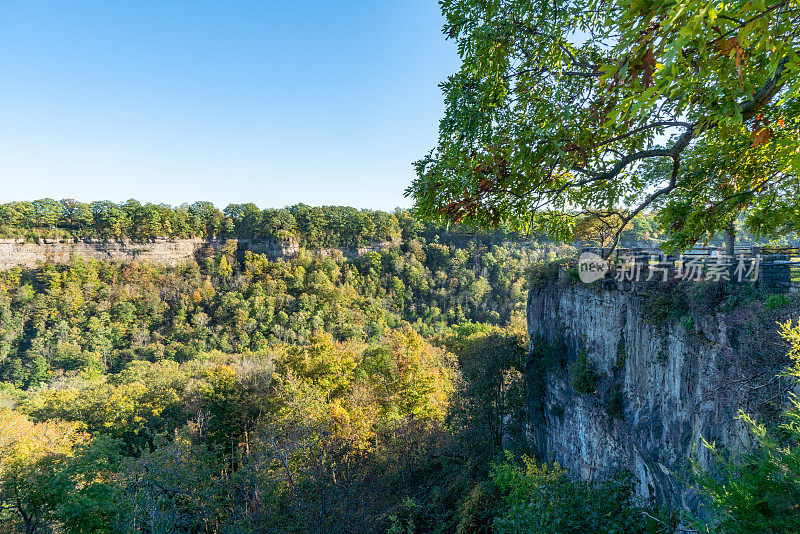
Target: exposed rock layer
x,y
18,253
680,381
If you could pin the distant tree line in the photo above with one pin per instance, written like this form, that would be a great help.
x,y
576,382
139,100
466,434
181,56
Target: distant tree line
x,y
313,227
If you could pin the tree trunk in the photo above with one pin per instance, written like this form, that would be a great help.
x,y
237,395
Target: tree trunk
x,y
730,239
730,248
31,523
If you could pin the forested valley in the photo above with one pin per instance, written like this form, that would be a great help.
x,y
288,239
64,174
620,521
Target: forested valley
x,y
239,394
316,393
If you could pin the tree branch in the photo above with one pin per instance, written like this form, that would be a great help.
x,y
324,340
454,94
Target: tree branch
x,y
748,110
673,180
765,94
659,124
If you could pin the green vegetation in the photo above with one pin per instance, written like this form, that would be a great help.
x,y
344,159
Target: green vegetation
x,y
584,374
189,446
685,107
388,393
260,396
685,302
538,499
615,402
757,492
622,353
314,227
247,395
311,226
98,317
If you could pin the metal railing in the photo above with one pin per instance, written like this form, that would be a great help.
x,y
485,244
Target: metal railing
x,y
778,267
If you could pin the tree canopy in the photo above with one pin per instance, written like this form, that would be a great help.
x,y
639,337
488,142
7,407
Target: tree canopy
x,y
607,108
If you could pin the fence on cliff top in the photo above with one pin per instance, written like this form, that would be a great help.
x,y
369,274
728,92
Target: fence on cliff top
x,y
778,267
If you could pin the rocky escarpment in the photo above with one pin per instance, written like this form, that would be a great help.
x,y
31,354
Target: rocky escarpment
x,y
657,385
19,253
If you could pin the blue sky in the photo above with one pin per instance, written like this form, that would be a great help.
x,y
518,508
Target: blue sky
x,y
272,102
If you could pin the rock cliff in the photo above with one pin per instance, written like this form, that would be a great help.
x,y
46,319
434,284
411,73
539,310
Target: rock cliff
x,y
658,385
18,253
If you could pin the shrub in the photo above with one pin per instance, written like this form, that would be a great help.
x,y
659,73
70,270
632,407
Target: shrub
x,y
706,297
543,274
476,511
560,350
573,275
615,403
665,303
622,353
538,499
774,302
584,374
687,322
757,492
542,354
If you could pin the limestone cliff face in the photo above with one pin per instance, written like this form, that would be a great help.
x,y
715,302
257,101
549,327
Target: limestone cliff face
x,y
18,253
679,380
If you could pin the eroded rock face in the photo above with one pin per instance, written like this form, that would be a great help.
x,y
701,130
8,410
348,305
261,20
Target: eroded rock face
x,y
680,382
18,253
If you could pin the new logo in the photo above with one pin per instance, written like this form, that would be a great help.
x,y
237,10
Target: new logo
x,y
591,267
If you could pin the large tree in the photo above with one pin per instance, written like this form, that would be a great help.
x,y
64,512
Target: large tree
x,y
30,455
591,106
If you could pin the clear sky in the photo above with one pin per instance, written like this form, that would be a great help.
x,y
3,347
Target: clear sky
x,y
272,102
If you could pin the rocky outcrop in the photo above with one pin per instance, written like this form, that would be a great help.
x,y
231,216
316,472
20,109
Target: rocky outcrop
x,y
18,253
661,386
290,249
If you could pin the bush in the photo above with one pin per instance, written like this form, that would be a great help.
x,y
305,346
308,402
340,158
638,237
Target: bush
x,y
622,353
757,492
615,403
665,303
573,275
584,374
543,274
687,322
537,499
476,512
775,302
706,297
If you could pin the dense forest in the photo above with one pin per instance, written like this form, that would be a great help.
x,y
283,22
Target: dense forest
x,y
311,226
102,316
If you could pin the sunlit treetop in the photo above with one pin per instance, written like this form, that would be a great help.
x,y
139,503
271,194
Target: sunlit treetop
x,y
565,108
